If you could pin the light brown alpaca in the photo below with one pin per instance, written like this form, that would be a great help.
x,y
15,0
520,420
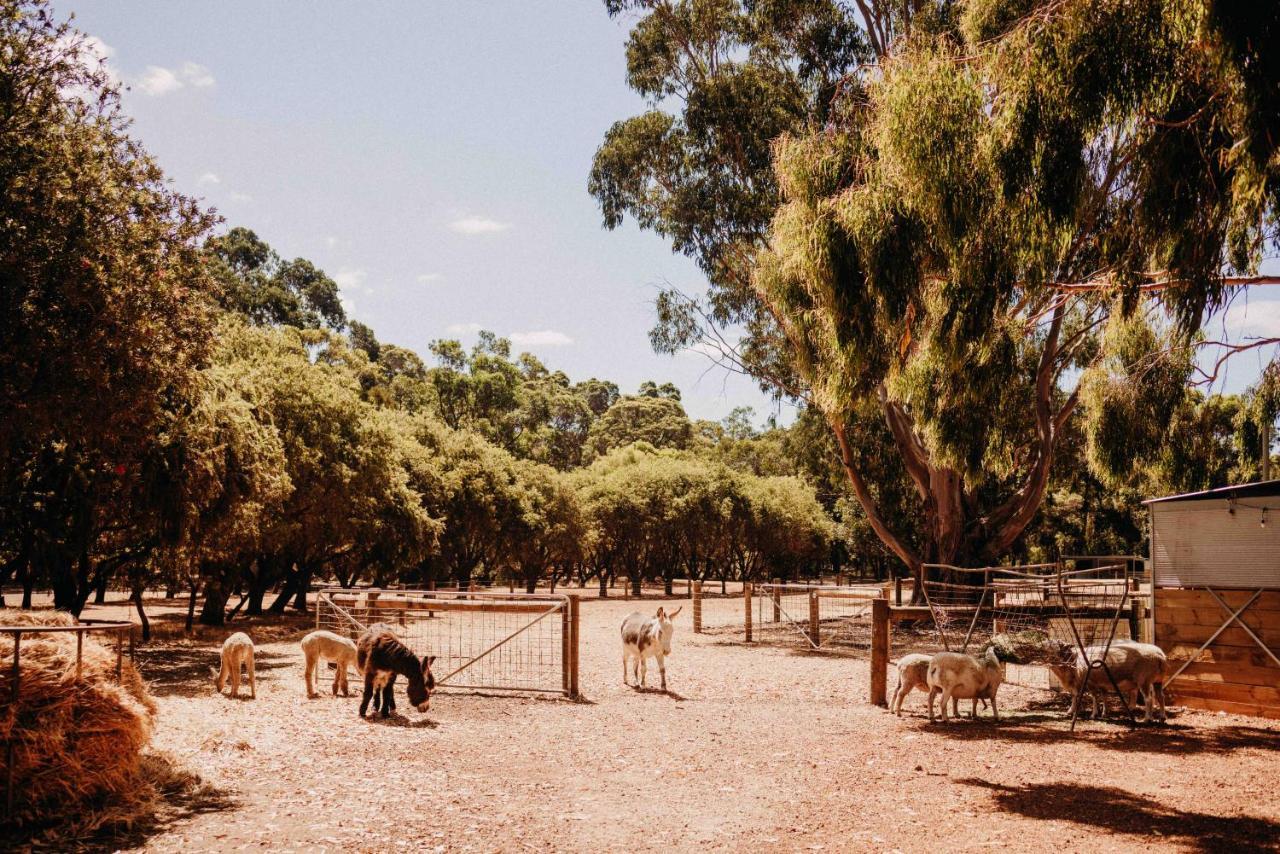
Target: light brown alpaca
x,y
320,646
237,651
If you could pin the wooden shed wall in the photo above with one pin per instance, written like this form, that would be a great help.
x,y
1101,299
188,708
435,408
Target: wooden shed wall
x,y
1233,674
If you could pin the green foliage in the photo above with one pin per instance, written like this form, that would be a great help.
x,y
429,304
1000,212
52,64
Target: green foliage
x,y
268,290
659,421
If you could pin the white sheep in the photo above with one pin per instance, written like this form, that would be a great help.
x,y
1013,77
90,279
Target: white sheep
x,y
957,676
913,672
1135,667
237,651
322,645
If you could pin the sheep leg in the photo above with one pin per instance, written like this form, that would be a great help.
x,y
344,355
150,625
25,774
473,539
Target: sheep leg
x,y
342,681
222,676
625,662
995,714
310,676
253,682
946,699
898,696
933,692
955,707
235,679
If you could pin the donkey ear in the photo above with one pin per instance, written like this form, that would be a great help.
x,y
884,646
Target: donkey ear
x,y
661,614
427,661
672,615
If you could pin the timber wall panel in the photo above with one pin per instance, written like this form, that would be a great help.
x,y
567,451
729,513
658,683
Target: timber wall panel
x,y
1233,674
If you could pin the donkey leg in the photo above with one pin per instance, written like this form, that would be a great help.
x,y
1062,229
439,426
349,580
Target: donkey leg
x,y
368,693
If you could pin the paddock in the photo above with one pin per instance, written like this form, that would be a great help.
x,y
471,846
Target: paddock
x,y
762,747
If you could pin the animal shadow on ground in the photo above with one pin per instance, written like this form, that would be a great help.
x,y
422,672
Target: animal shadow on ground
x,y
1117,811
644,689
1020,727
399,720
189,671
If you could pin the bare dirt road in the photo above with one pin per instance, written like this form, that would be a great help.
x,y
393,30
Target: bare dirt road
x,y
754,748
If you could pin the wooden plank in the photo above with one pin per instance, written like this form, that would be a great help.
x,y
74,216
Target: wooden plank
x,y
1215,705
1215,617
1234,636
1193,687
1235,674
388,604
1176,598
907,612
1218,653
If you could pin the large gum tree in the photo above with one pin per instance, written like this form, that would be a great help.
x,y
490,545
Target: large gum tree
x,y
1016,208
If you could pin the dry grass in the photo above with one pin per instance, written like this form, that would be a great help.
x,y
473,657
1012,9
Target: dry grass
x,y
78,761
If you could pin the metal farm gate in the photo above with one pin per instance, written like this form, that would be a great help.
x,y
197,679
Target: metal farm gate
x,y
481,641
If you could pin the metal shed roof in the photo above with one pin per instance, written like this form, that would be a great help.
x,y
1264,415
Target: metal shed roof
x,y
1264,488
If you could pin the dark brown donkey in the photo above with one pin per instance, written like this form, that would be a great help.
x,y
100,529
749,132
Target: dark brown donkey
x,y
381,657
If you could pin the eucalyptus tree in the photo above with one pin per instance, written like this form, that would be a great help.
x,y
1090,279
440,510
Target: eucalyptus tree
x,y
271,291
960,223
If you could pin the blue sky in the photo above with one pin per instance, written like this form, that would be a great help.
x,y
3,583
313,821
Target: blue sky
x,y
433,158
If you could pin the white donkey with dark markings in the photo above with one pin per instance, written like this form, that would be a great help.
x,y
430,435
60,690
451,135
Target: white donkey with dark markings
x,y
647,637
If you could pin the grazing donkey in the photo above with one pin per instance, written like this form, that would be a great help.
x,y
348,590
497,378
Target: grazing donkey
x,y
237,650
647,637
320,646
380,656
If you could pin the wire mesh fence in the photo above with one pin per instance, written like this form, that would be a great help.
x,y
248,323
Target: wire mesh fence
x,y
481,640
812,616
1034,616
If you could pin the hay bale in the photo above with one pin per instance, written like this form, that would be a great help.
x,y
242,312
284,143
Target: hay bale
x,y
77,746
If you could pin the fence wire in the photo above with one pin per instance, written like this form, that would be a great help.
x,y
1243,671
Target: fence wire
x,y
481,641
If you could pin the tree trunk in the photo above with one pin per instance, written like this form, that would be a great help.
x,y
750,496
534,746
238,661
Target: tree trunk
x,y
287,590
300,597
142,614
191,606
214,612
100,589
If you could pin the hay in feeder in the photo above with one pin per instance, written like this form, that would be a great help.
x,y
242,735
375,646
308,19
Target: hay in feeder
x,y
1029,646
77,745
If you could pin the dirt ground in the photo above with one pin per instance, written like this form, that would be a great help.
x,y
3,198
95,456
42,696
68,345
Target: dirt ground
x,y
760,748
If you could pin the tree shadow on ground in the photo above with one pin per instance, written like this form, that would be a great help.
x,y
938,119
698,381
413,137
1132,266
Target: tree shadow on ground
x,y
189,671
1117,811
1045,727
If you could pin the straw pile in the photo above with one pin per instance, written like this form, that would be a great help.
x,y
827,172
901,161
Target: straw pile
x,y
77,747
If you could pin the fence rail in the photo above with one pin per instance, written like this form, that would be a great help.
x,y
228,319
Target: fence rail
x,y
481,640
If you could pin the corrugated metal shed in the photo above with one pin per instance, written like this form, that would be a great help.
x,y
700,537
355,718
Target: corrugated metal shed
x,y
1226,537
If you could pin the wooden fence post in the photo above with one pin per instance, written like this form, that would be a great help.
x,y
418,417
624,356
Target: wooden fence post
x,y
775,593
815,631
566,638
746,602
879,651
897,591
574,624
697,607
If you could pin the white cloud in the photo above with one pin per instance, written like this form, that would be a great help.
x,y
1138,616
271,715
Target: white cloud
x,y
1257,319
330,241
350,280
428,277
208,178
463,329
159,81
241,197
477,225
196,75
540,338
348,305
